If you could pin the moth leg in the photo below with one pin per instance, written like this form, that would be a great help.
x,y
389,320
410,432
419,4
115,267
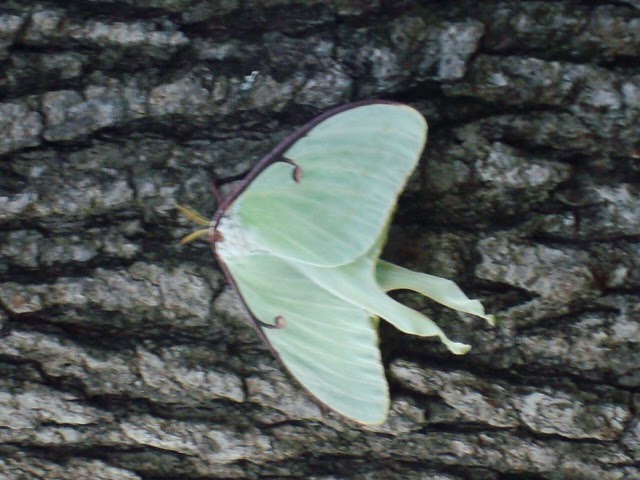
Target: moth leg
x,y
280,322
213,186
297,169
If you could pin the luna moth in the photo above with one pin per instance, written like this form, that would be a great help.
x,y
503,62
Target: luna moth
x,y
300,240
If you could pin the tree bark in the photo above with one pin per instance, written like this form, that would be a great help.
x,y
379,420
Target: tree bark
x,y
125,356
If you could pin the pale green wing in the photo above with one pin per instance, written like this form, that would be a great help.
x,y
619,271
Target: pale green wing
x,y
443,291
357,284
329,345
354,164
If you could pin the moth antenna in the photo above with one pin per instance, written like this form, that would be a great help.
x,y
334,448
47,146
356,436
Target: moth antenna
x,y
193,215
297,169
194,236
280,322
197,218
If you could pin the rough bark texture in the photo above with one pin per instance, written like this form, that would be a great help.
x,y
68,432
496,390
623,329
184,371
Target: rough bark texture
x,y
123,355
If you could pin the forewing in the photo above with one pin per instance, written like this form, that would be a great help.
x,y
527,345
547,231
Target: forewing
x,y
327,344
354,165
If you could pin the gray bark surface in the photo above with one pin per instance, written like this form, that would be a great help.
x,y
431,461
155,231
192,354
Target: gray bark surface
x,y
125,356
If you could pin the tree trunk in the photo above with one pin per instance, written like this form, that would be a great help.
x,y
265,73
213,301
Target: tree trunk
x,y
126,356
